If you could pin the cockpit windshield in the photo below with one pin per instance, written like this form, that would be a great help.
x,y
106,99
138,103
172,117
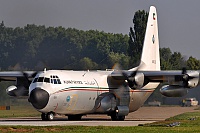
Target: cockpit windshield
x,y
53,79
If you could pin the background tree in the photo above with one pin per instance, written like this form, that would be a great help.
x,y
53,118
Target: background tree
x,y
193,63
59,48
177,61
88,64
165,56
136,36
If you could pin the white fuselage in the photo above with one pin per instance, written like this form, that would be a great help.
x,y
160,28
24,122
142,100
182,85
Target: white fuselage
x,y
76,92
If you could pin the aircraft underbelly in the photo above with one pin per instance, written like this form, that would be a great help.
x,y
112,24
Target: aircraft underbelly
x,y
73,101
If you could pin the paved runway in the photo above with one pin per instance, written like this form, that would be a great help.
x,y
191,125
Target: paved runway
x,y
142,116
38,122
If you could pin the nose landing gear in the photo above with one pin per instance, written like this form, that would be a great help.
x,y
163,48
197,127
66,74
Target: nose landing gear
x,y
48,117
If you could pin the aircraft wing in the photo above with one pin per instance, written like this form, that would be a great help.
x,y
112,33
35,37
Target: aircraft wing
x,y
170,77
152,75
13,75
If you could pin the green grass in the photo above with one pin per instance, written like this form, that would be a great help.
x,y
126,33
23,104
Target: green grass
x,y
19,111
99,129
186,125
189,122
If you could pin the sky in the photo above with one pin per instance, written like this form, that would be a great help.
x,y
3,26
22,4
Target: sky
x,y
178,20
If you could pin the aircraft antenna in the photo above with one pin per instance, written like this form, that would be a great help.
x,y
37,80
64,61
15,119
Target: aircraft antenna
x,y
45,69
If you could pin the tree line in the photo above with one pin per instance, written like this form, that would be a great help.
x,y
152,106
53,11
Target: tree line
x,y
34,47
60,48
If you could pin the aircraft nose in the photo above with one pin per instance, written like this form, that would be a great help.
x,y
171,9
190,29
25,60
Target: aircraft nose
x,y
39,98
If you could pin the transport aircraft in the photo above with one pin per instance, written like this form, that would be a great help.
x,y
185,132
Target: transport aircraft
x,y
115,93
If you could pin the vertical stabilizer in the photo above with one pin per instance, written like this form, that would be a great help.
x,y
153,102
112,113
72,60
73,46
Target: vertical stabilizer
x,y
150,59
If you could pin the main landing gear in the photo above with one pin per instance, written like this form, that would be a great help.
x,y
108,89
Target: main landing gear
x,y
119,113
74,117
47,117
116,117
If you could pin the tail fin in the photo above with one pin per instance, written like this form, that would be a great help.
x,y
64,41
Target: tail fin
x,y
150,59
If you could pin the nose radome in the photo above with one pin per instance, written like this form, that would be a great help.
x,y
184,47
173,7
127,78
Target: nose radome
x,y
39,98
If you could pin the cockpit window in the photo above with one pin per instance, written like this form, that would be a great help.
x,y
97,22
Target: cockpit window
x,y
47,80
40,79
35,80
55,79
58,80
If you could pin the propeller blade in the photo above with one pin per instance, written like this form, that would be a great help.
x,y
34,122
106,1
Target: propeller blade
x,y
129,77
34,74
184,71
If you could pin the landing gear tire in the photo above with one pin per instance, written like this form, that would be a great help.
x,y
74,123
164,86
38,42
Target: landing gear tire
x,y
44,117
116,117
50,116
74,117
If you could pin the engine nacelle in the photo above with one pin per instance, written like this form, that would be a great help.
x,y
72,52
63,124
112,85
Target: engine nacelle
x,y
173,91
106,103
10,90
17,91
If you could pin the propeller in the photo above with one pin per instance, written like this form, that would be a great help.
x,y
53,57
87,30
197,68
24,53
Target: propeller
x,y
26,79
190,79
131,78
185,77
40,66
23,82
135,80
